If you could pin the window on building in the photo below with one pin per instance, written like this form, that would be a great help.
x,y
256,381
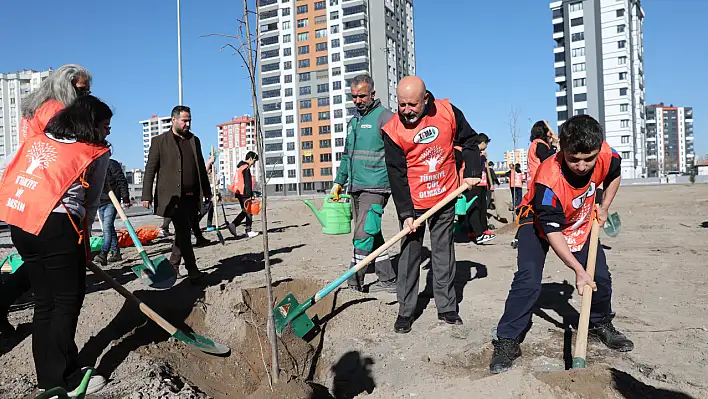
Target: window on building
x,y
304,104
286,11
288,105
579,67
561,101
337,85
336,57
305,90
308,173
338,128
326,171
579,82
337,100
334,15
625,139
326,157
321,19
323,116
620,12
576,37
622,44
327,143
624,123
288,92
575,6
291,175
623,76
323,88
305,131
303,63
338,156
338,113
621,60
302,9
557,28
321,46
581,111
291,146
306,118
287,65
290,119
335,43
321,32
288,79
301,23
291,159
577,52
562,115
626,155
322,101
306,145
334,29
270,147
287,38
336,71
620,28
576,21
308,159
303,37
304,76
339,142
320,5
327,129
624,107
290,133
579,97
287,52
303,49
623,91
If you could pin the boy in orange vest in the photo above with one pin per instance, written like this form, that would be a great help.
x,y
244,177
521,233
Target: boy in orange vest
x,y
242,187
560,207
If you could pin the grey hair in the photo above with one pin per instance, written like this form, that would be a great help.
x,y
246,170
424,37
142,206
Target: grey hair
x,y
363,78
58,86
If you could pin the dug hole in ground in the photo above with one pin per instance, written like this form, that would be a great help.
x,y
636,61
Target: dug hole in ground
x,y
658,267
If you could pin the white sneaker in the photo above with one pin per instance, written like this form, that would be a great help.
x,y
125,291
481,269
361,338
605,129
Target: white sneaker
x,y
252,234
96,383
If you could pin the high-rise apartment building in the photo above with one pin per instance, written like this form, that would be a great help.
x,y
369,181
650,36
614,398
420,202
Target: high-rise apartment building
x,y
152,127
236,138
13,88
309,51
519,156
669,140
599,70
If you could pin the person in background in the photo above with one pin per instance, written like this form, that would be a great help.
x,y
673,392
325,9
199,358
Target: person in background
x,y
477,223
57,91
492,177
363,167
516,185
49,224
419,147
557,212
242,187
175,158
208,204
543,146
116,182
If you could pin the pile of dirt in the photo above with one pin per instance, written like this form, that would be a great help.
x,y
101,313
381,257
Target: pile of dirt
x,y
237,317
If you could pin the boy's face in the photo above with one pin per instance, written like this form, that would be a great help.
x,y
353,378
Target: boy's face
x,y
581,164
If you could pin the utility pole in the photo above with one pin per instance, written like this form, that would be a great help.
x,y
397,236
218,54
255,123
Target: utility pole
x,y
179,54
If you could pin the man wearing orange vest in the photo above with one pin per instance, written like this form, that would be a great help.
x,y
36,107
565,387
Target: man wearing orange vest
x,y
242,187
542,147
420,160
557,213
516,184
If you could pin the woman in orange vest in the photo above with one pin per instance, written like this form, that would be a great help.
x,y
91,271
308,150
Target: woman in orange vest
x,y
542,147
59,89
47,194
516,184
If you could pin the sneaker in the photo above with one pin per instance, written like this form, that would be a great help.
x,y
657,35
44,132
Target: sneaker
x,y
450,318
610,336
96,383
232,230
515,244
485,237
114,257
101,259
383,286
164,233
403,325
252,234
506,350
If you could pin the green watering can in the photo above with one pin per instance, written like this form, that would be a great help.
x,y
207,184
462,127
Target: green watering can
x,y
461,208
335,216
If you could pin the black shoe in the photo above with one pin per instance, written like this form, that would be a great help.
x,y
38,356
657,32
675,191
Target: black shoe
x,y
506,350
356,288
202,242
195,275
114,257
6,329
232,230
450,318
101,259
608,335
403,325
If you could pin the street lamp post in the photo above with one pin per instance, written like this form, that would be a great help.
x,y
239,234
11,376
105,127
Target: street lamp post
x,y
179,54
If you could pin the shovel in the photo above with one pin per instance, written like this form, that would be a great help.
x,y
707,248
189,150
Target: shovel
x,y
194,340
612,225
494,198
213,202
159,274
581,339
290,312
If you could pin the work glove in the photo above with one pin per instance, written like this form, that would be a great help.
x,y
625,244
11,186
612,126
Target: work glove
x,y
336,189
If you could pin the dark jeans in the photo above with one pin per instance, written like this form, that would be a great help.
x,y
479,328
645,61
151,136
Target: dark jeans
x,y
209,212
526,287
517,194
14,286
184,215
110,238
243,215
56,265
477,214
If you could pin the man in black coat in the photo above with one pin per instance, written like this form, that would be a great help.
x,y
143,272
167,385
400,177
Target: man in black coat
x,y
116,182
175,158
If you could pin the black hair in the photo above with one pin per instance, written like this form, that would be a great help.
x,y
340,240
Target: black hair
x,y
539,131
251,155
581,134
483,138
179,109
517,167
79,121
490,163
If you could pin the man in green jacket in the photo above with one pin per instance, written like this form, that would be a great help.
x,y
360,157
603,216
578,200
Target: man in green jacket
x,y
363,168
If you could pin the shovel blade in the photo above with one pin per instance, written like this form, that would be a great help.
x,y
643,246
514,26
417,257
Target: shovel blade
x,y
164,277
612,225
220,237
202,343
285,313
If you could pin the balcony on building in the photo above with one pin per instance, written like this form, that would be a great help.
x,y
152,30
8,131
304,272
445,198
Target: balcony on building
x,y
356,54
353,10
357,25
266,15
267,4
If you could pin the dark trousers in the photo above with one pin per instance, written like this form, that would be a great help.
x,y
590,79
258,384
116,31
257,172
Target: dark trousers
x,y
209,212
526,287
184,215
367,211
56,265
243,215
477,214
442,254
517,194
14,286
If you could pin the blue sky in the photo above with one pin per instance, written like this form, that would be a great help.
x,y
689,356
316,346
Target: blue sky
x,y
484,57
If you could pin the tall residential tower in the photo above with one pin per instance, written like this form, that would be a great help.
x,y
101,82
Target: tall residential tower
x,y
152,127
309,51
599,71
669,140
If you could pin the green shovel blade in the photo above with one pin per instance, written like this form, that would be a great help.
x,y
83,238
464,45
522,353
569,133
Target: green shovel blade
x,y
290,311
612,225
164,277
579,363
204,344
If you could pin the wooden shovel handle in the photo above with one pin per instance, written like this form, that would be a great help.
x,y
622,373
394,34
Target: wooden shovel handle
x,y
129,295
581,340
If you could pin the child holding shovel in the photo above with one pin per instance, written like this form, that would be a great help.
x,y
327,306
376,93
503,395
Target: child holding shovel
x,y
557,212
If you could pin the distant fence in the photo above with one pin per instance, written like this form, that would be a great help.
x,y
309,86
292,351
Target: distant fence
x,y
674,179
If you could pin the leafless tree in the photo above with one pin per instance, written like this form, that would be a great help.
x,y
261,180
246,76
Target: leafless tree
x,y
513,128
244,49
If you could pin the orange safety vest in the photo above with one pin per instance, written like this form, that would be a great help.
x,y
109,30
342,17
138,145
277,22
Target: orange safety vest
x,y
37,178
237,186
516,179
36,125
430,157
533,161
577,203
